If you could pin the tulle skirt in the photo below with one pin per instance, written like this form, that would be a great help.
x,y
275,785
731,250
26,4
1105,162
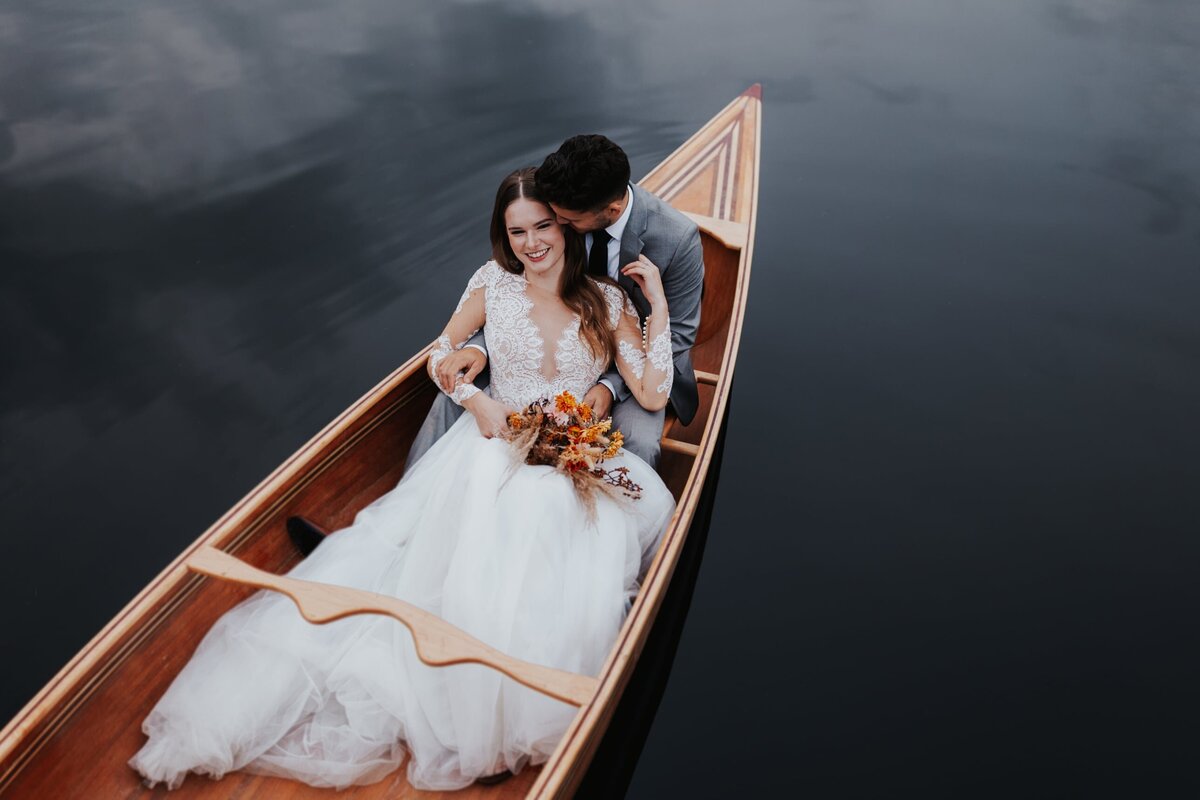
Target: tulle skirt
x,y
510,556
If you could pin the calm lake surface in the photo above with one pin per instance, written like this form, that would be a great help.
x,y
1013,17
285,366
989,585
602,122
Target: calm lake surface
x,y
956,543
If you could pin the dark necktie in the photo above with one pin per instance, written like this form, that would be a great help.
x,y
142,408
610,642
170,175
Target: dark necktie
x,y
598,258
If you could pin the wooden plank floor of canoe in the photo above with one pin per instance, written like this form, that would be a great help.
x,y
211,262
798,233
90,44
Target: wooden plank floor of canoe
x,y
395,787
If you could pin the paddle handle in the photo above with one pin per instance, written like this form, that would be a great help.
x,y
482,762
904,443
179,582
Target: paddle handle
x,y
437,642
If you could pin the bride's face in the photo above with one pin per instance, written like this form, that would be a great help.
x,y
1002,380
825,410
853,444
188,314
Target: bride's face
x,y
534,235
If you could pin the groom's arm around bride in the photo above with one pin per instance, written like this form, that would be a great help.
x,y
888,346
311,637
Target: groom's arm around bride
x,y
620,222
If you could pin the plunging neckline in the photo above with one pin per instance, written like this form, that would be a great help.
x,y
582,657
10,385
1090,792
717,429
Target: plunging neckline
x,y
538,338
522,368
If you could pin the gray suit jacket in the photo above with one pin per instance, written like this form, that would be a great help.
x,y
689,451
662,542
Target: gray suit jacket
x,y
672,242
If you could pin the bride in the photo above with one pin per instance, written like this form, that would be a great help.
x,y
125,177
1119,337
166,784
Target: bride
x,y
509,555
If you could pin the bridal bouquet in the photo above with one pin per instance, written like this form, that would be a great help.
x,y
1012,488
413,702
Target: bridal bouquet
x,y
563,434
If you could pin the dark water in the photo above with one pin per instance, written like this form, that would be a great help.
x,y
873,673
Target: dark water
x,y
955,544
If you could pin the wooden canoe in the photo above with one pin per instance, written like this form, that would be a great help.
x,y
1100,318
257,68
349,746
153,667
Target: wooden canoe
x,y
74,738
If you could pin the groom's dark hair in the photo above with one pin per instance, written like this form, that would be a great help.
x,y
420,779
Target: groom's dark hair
x,y
586,173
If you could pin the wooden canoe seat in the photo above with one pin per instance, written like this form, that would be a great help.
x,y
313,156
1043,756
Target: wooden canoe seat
x,y
674,445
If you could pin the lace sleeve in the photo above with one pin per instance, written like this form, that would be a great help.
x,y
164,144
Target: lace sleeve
x,y
468,318
658,353
618,303
480,280
644,357
442,348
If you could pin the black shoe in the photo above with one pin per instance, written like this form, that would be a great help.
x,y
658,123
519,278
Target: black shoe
x,y
492,780
306,535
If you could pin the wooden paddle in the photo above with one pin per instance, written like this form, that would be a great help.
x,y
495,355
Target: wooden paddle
x,y
438,643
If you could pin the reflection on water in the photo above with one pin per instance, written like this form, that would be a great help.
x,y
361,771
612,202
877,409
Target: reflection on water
x,y
951,546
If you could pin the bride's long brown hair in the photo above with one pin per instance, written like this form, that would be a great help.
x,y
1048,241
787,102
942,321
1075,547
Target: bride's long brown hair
x,y
577,292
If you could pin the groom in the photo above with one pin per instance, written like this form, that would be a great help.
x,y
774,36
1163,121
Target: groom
x,y
586,182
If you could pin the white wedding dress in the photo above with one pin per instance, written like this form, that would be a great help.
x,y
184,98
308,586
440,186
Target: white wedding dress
x,y
509,556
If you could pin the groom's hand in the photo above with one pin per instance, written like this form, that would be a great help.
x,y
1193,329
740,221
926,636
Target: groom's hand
x,y
600,399
468,359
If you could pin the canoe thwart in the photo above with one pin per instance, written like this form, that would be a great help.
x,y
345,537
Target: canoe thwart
x,y
709,378
733,235
438,643
676,446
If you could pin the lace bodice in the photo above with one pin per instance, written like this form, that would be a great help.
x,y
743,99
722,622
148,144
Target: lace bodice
x,y
517,330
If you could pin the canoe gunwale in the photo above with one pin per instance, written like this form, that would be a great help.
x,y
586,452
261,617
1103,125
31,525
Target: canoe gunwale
x,y
144,614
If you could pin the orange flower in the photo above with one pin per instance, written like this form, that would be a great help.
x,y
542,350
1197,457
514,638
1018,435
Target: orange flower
x,y
565,403
594,432
614,444
575,458
585,412
516,421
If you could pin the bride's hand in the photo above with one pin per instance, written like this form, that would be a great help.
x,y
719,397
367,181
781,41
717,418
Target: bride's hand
x,y
490,415
649,279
